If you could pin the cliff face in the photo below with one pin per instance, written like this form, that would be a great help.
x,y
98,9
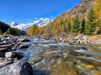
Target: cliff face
x,y
81,9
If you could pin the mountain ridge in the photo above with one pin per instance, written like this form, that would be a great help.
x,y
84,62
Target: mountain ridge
x,y
22,26
81,9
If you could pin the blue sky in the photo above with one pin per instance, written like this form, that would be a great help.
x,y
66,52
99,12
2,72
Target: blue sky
x,y
24,11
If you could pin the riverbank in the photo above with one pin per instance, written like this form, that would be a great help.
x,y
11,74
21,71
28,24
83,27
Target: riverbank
x,y
80,39
11,62
47,57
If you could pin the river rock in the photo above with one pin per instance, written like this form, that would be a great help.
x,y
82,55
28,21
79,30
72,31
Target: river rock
x,y
6,46
18,68
24,46
14,54
3,43
8,38
2,64
85,37
79,37
2,54
23,39
4,50
3,36
82,37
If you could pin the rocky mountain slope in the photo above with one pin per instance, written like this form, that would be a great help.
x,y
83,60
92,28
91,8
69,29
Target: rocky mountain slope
x,y
81,9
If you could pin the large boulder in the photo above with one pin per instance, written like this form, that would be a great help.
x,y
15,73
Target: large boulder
x,y
3,43
24,45
23,39
18,68
5,63
3,36
13,54
4,50
85,37
8,38
6,46
81,37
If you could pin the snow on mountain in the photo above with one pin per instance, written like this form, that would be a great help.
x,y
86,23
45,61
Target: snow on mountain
x,y
18,25
14,23
43,23
40,23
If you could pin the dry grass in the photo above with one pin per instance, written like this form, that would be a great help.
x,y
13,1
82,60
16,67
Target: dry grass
x,y
71,36
94,37
90,37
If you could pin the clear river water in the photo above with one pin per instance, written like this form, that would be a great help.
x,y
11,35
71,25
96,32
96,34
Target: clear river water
x,y
49,57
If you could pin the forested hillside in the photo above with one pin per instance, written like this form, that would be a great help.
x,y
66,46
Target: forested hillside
x,y
6,29
82,19
3,27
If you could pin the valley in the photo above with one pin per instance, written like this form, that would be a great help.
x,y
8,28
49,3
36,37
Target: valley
x,y
69,44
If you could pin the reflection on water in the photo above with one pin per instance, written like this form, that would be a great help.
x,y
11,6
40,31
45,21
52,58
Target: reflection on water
x,y
88,52
58,58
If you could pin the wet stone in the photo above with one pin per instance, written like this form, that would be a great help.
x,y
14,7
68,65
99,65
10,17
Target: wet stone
x,y
49,57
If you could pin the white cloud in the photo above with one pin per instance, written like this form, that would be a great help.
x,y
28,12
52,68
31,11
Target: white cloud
x,y
46,19
36,18
41,18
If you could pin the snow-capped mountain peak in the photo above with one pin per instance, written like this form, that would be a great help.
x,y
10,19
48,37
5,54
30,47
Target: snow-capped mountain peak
x,y
17,25
13,23
39,23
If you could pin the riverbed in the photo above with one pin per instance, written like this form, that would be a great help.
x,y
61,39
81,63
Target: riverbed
x,y
49,57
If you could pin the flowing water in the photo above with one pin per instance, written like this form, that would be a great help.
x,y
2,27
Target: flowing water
x,y
49,57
